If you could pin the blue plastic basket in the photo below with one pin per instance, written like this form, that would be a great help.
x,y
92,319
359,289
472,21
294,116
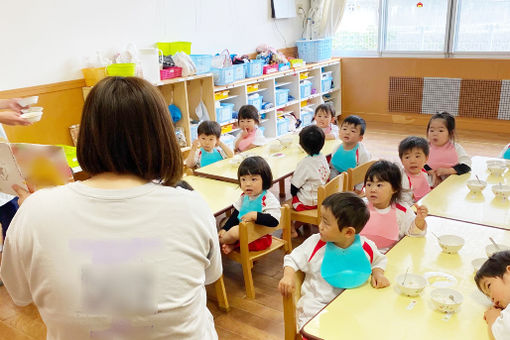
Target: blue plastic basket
x,y
316,50
305,90
254,68
327,84
224,113
306,118
282,96
223,76
238,71
257,102
282,126
202,62
284,66
193,131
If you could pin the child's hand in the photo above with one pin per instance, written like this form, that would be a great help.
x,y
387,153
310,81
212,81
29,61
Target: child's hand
x,y
286,285
445,171
378,279
196,144
249,217
491,315
421,213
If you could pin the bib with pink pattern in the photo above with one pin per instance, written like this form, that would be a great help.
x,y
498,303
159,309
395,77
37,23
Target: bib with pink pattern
x,y
442,156
382,228
419,184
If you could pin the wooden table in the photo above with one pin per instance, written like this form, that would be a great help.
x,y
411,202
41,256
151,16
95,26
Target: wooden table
x,y
452,199
283,163
368,313
219,195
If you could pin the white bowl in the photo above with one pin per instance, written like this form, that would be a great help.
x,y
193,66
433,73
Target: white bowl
x,y
32,114
273,147
491,249
446,300
476,186
28,101
450,244
236,160
507,162
497,169
501,190
286,141
496,162
477,263
413,284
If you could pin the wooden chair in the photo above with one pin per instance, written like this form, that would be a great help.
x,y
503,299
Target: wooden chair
x,y
221,295
248,232
337,184
356,175
289,309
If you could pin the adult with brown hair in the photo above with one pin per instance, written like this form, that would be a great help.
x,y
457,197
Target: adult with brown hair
x,y
123,254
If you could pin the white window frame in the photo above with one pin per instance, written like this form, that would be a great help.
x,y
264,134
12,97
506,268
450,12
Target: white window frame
x,y
452,24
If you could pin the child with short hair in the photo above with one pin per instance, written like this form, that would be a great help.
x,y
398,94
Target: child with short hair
x,y
505,153
208,147
389,220
311,172
351,152
493,279
446,157
251,136
256,204
324,117
414,152
337,258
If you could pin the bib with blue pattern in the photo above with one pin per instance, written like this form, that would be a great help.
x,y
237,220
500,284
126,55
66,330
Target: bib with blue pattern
x,y
346,268
251,205
343,160
207,158
506,155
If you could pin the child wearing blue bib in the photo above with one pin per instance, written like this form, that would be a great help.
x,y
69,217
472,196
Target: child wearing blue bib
x,y
256,204
207,148
351,152
335,259
505,153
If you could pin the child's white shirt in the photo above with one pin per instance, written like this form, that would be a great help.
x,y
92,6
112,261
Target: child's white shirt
x,y
406,196
501,327
198,155
315,291
270,205
501,155
463,157
405,221
311,172
259,140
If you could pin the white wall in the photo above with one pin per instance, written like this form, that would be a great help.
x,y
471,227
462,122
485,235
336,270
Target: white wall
x,y
47,41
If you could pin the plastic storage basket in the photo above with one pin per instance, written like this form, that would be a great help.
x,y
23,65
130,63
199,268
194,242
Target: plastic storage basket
x,y
305,89
193,131
306,117
255,101
282,126
224,113
282,96
171,48
327,84
254,68
223,76
202,62
171,72
238,71
121,70
316,50
93,75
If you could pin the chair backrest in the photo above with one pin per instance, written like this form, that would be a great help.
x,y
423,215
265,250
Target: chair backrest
x,y
356,175
337,184
289,308
256,231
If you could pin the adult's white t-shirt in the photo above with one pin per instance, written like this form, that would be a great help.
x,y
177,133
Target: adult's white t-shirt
x,y
107,264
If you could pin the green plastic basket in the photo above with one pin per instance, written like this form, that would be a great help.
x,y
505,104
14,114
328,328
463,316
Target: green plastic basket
x,y
171,48
121,70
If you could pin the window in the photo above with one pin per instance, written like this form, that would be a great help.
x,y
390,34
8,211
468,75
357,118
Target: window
x,y
427,26
483,26
411,27
359,29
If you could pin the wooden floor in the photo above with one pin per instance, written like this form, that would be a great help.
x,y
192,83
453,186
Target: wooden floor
x,y
261,318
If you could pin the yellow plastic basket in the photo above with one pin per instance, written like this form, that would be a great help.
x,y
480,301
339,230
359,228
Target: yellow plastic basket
x,y
171,48
121,70
93,75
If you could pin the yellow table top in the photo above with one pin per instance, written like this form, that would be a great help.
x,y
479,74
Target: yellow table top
x,y
219,195
368,313
452,199
283,163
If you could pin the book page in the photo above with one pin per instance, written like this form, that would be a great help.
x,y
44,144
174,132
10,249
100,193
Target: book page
x,y
10,174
